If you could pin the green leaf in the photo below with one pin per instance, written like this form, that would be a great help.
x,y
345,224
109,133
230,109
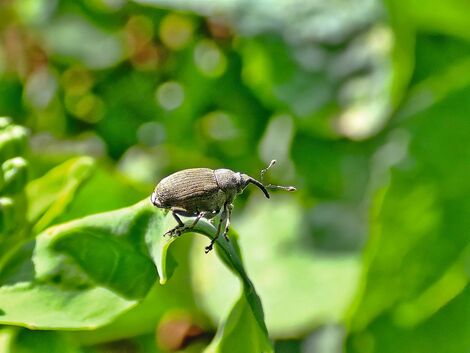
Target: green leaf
x,y
27,341
247,311
174,296
49,195
240,332
7,337
108,248
441,16
49,306
108,261
12,221
107,190
15,172
87,272
16,265
13,142
7,215
416,265
289,275
20,340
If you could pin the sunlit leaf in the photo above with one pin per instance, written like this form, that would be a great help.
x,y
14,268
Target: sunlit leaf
x,y
107,247
240,332
106,190
7,337
49,306
86,272
416,276
314,287
247,314
175,296
49,195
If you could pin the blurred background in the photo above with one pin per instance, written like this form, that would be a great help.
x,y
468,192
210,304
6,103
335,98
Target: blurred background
x,y
364,104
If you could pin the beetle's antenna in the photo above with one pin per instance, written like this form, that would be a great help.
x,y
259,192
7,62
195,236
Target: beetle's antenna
x,y
258,184
271,186
287,188
263,171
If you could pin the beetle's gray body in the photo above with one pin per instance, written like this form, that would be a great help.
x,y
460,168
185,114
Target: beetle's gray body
x,y
203,192
198,190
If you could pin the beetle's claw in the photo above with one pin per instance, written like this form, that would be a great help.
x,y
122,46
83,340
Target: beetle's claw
x,y
208,248
175,232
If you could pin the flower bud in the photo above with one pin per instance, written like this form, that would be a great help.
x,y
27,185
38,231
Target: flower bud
x,y
15,173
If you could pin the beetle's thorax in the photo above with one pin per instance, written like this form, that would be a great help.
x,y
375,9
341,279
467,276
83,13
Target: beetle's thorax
x,y
230,182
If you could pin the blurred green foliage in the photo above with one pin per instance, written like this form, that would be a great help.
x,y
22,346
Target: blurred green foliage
x,y
365,106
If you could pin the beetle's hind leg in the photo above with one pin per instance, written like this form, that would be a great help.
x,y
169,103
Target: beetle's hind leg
x,y
180,228
176,231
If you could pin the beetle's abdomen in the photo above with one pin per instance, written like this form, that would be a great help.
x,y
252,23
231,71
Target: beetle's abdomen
x,y
190,189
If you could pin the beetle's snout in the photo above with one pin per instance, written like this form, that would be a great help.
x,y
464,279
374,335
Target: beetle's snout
x,y
259,185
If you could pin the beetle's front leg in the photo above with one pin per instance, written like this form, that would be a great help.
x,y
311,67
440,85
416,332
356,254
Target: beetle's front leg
x,y
223,217
227,222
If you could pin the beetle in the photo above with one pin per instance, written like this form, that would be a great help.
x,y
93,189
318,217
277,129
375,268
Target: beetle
x,y
204,192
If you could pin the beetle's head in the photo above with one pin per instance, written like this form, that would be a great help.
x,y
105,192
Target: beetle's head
x,y
233,183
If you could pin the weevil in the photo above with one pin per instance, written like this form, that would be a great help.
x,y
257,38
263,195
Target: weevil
x,y
204,192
